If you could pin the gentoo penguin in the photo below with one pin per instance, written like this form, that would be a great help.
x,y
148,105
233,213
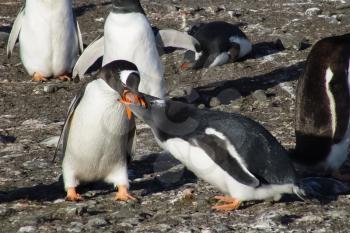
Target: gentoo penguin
x,y
129,35
235,154
220,42
49,38
97,136
323,106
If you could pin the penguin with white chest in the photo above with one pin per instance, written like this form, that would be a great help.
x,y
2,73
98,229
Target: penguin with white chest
x,y
323,107
49,38
233,153
220,43
97,136
128,35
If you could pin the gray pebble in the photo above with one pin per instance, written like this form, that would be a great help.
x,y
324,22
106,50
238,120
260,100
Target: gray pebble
x,y
214,102
97,222
289,42
51,88
313,11
201,106
26,229
177,93
227,95
260,95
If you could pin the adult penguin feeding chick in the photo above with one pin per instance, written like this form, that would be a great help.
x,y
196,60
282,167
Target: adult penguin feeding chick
x,y
220,43
323,107
49,38
233,153
97,136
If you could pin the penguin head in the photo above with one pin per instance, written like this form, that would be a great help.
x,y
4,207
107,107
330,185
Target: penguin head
x,y
127,6
192,60
121,75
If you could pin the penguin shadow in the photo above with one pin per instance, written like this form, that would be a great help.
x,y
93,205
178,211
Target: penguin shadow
x,y
40,192
162,172
6,29
245,86
263,49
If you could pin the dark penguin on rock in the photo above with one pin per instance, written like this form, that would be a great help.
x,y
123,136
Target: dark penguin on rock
x,y
97,138
235,154
220,43
323,107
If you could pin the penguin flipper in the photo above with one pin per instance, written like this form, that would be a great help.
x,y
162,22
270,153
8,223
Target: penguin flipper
x,y
16,28
94,51
218,150
62,142
176,39
80,38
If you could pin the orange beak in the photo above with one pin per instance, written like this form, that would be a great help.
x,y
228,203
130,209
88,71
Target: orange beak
x,y
129,98
185,66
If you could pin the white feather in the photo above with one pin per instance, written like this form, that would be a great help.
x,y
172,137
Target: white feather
x,y
130,37
48,38
125,74
245,45
329,77
97,141
221,59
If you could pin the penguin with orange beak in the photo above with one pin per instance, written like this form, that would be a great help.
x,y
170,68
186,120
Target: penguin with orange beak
x,y
98,135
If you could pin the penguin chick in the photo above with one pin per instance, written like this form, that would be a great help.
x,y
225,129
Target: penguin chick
x,y
49,38
323,107
97,136
220,43
235,154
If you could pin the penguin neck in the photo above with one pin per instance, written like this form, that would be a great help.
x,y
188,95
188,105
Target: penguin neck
x,y
134,8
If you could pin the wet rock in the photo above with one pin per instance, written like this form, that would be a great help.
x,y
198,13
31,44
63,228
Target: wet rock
x,y
214,102
313,11
260,95
97,222
27,229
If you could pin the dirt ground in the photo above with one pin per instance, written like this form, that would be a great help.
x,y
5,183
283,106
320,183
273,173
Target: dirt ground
x,y
170,199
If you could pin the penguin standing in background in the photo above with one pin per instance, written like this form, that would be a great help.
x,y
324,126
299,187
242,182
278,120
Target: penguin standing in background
x,y
235,154
129,35
49,38
323,107
97,136
220,43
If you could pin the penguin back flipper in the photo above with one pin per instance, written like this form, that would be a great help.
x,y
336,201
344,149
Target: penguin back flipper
x,y
16,28
90,55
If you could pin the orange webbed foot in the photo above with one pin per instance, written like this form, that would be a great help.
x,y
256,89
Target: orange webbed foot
x,y
38,78
232,203
72,195
64,78
123,194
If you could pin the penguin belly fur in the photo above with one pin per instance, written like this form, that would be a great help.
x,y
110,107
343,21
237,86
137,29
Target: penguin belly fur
x,y
48,38
98,139
130,37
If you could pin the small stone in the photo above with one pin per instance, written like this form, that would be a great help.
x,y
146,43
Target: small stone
x,y
177,93
188,193
227,95
289,41
27,229
51,88
313,11
214,102
201,106
97,222
50,142
260,95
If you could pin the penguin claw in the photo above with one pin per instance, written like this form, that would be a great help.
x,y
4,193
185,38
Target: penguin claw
x,y
123,195
38,78
72,195
233,203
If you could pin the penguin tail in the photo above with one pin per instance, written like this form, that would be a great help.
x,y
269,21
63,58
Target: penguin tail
x,y
320,188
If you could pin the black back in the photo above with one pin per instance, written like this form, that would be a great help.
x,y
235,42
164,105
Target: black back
x,y
214,39
314,133
127,6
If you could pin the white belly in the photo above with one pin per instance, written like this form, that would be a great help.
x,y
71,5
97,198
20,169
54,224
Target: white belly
x,y
130,37
98,137
48,37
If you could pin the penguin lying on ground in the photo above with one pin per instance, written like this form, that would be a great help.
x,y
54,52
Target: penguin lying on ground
x,y
220,43
49,38
129,35
97,137
235,154
323,107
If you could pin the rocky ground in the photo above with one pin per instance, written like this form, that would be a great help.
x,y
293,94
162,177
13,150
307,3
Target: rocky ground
x,y
170,199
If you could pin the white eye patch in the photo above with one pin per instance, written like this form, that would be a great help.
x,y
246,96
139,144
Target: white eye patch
x,y
125,74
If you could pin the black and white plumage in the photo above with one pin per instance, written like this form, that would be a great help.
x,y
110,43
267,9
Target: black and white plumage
x,y
233,153
220,42
49,38
97,136
323,106
129,35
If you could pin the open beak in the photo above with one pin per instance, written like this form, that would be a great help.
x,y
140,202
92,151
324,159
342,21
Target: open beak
x,y
128,98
